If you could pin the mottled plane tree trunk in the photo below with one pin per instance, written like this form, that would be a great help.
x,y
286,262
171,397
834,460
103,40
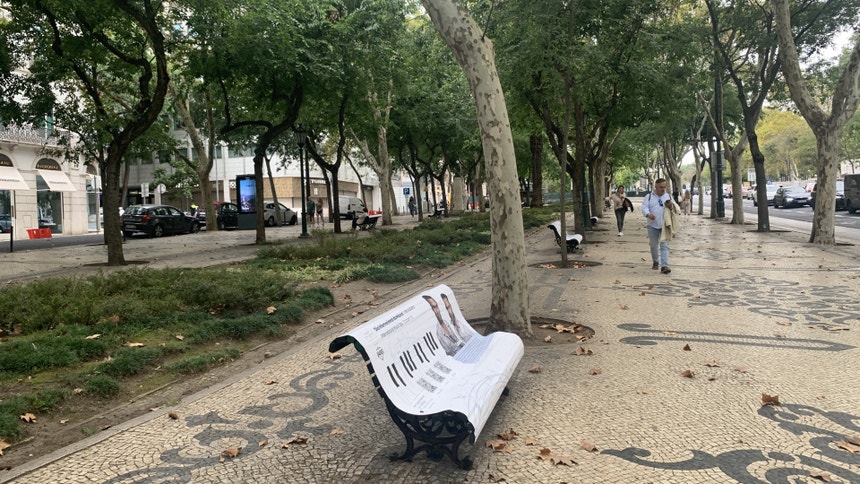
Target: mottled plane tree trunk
x,y
476,55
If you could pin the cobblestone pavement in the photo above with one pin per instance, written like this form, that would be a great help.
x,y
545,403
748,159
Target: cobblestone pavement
x,y
745,313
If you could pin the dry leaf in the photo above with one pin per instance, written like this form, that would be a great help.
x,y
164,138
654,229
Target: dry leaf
x,y
231,452
320,321
583,351
173,416
295,440
587,446
180,337
711,364
509,435
688,374
740,369
271,309
848,446
494,478
133,345
335,356
563,460
535,369
595,371
545,454
93,336
769,400
645,391
531,441
336,432
853,439
270,382
821,476
669,333
548,339
687,348
28,417
64,421
4,445
783,323
263,443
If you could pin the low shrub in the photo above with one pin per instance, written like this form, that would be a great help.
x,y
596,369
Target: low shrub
x,y
102,386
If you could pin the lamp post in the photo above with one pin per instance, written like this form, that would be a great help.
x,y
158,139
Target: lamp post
x,y
301,138
308,141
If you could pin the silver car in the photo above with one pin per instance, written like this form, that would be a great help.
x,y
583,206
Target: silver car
x,y
288,216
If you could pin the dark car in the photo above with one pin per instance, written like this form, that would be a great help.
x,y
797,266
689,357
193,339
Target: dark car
x,y
227,215
793,196
840,196
5,223
157,220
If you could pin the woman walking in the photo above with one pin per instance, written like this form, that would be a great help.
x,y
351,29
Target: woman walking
x,y
620,204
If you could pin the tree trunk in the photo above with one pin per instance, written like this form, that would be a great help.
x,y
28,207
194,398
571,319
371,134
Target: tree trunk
x,y
826,128
509,309
536,149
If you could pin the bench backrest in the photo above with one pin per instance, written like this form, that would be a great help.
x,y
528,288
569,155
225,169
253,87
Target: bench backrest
x,y
427,359
572,239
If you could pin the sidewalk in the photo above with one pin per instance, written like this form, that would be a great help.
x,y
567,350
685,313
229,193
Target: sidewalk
x,y
758,313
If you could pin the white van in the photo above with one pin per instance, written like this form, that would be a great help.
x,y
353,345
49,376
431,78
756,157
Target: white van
x,y
349,206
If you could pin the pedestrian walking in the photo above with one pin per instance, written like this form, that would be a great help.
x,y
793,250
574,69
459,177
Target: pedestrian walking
x,y
657,207
319,207
687,202
412,206
311,210
620,204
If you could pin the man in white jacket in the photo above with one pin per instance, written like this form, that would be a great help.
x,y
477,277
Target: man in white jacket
x,y
654,208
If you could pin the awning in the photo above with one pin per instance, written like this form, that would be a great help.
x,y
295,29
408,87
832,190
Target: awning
x,y
57,181
11,179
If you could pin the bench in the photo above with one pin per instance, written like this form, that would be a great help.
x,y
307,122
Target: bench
x,y
365,221
439,378
573,241
438,213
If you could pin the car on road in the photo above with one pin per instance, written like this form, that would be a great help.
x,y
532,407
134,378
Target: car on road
x,y
751,193
288,216
157,220
840,196
793,196
771,191
5,223
226,215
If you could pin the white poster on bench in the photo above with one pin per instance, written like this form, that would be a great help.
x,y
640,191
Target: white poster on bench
x,y
428,359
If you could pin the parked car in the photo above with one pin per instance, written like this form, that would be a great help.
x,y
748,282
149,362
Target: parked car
x,y
288,216
227,215
771,191
751,193
157,220
852,193
793,196
5,223
840,196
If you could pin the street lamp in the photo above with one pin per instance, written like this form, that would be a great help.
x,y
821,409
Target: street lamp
x,y
308,142
301,138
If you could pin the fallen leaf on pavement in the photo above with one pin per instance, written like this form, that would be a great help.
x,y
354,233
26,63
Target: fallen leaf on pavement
x,y
587,446
531,441
769,400
821,476
336,432
711,364
231,452
509,435
848,446
270,382
548,339
583,351
645,391
173,416
263,443
595,371
335,356
687,348
688,374
535,369
740,369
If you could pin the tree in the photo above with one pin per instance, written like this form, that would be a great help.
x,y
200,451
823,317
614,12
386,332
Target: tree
x,y
101,68
509,308
826,126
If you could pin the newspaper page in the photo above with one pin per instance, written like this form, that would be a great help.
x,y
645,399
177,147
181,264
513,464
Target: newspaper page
x,y
426,344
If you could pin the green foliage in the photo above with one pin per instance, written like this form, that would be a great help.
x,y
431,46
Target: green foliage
x,y
102,386
195,364
128,362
